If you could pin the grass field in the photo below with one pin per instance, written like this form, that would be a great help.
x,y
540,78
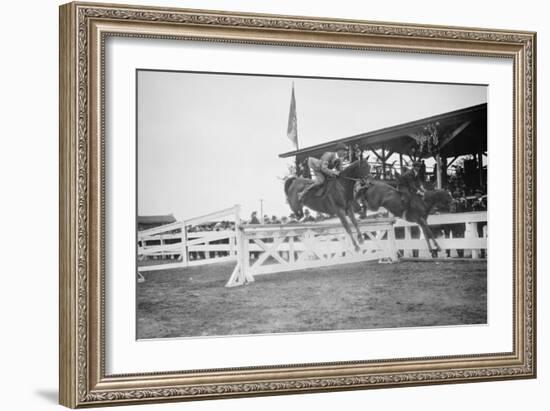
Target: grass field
x,y
194,302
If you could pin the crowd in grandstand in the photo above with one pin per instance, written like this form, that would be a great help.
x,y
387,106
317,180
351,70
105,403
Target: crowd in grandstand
x,y
230,225
466,197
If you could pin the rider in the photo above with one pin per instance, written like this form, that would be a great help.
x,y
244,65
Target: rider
x,y
410,183
330,164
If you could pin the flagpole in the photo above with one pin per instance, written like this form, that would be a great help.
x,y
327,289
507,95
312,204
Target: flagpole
x,y
296,162
292,130
296,109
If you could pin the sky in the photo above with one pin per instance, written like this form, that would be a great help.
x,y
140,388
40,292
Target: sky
x,y
209,141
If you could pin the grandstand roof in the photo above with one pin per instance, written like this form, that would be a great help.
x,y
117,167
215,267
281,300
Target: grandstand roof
x,y
463,132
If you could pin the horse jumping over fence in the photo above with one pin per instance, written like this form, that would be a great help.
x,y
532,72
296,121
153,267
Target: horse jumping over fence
x,y
337,196
377,194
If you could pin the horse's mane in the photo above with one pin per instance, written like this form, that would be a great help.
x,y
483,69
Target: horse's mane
x,y
347,171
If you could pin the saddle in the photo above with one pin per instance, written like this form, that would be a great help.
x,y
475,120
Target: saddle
x,y
318,192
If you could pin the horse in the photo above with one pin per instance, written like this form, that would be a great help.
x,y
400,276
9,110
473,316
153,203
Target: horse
x,y
377,194
337,198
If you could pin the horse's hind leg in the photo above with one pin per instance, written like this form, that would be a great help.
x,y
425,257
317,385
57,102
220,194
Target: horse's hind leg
x,y
427,238
432,236
351,216
342,216
429,235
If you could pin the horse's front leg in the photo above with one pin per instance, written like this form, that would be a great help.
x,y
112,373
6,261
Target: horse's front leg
x,y
351,216
342,216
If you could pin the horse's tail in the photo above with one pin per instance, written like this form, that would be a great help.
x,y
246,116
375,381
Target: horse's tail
x,y
293,202
288,183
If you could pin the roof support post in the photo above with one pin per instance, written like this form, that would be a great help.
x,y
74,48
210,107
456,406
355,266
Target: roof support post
x,y
383,163
480,165
438,169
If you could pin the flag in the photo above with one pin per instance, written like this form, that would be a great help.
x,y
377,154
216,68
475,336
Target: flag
x,y
292,130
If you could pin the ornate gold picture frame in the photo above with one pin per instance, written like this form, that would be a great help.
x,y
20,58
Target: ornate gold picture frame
x,y
84,30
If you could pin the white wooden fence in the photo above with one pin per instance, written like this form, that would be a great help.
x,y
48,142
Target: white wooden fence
x,y
458,234
263,249
174,242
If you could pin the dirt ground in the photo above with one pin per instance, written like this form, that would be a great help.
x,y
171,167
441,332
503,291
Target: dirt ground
x,y
194,302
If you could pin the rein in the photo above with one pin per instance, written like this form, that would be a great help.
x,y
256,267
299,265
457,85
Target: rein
x,y
354,179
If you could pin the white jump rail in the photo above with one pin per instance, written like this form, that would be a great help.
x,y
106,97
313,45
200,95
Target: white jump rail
x,y
267,249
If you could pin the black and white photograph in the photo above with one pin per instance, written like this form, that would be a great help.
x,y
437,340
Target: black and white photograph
x,y
275,205
272,204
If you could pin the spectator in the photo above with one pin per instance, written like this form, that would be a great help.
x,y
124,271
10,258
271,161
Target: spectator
x,y
292,218
460,203
254,218
266,219
479,203
422,171
452,206
308,218
284,220
275,220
